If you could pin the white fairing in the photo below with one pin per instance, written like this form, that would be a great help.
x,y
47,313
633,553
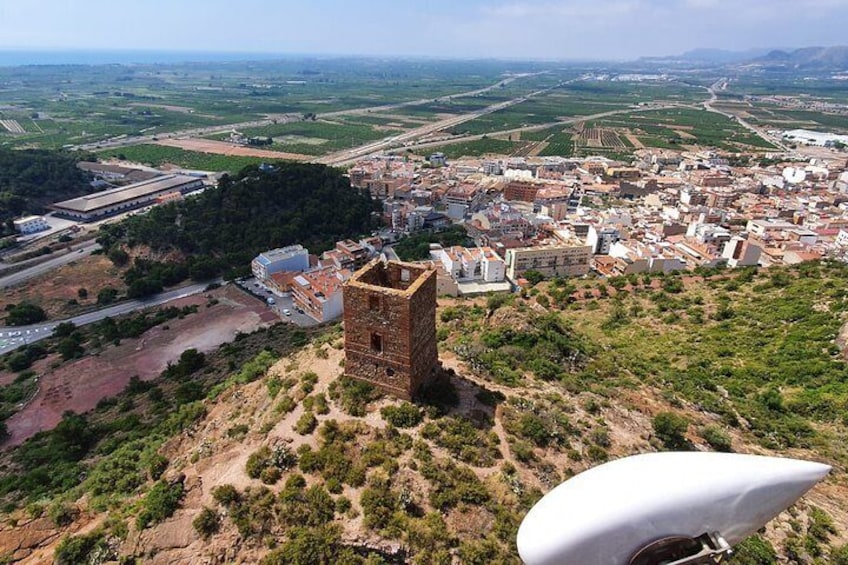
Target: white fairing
x,y
606,514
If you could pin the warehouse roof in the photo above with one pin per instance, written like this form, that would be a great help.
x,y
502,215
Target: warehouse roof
x,y
113,196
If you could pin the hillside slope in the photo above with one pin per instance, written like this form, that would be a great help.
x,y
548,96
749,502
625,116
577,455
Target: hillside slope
x,y
263,452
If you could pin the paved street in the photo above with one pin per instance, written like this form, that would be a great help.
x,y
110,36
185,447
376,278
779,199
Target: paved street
x,y
282,302
13,337
31,272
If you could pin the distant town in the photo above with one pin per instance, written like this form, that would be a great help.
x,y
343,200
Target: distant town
x,y
533,218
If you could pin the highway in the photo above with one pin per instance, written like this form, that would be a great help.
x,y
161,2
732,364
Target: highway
x,y
283,118
387,144
351,155
721,84
194,132
13,337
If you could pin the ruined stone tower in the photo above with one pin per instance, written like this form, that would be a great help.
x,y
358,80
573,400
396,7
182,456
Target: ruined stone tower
x,y
390,326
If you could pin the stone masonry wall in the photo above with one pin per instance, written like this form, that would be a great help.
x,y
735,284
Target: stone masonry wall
x,y
390,329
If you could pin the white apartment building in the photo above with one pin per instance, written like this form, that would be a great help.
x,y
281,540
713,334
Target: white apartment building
x,y
739,252
291,258
471,264
600,239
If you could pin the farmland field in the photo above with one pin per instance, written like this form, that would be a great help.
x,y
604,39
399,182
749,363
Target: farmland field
x,y
575,99
603,138
97,103
808,118
678,127
315,137
479,148
158,155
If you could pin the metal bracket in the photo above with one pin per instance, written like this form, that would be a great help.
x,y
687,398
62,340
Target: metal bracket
x,y
706,549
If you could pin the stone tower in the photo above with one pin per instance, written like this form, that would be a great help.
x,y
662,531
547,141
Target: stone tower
x,y
390,326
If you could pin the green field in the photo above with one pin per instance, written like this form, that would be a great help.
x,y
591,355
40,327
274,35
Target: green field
x,y
576,99
157,155
478,148
87,104
559,141
559,144
315,137
656,128
549,108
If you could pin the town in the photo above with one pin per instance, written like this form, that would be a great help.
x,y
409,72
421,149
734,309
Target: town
x,y
529,219
525,219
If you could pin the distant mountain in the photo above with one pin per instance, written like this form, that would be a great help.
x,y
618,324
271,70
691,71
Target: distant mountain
x,y
722,56
830,58
709,56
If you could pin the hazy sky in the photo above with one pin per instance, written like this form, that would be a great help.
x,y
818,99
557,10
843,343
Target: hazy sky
x,y
549,29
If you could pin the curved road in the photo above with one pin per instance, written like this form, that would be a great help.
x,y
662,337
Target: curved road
x,y
721,84
13,337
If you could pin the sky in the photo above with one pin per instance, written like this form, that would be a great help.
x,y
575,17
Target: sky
x,y
518,29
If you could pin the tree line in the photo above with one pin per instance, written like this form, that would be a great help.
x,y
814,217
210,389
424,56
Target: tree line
x,y
221,230
31,179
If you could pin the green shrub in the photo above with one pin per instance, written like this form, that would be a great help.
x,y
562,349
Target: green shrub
x,y
238,431
258,461
106,296
333,460
597,454
309,507
313,546
452,484
207,523
87,548
534,277
317,404
405,415
464,440
353,395
378,503
820,526
226,495
671,428
481,552
158,464
306,423
753,551
716,438
253,513
839,556
24,314
62,514
256,367
267,464
285,405
275,384
159,503
270,475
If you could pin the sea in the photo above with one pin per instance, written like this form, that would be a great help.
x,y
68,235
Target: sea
x,y
14,57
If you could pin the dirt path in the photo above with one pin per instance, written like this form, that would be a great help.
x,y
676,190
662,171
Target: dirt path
x,y
224,148
538,149
634,140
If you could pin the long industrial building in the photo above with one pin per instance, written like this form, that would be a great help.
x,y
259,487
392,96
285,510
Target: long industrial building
x,y
99,205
